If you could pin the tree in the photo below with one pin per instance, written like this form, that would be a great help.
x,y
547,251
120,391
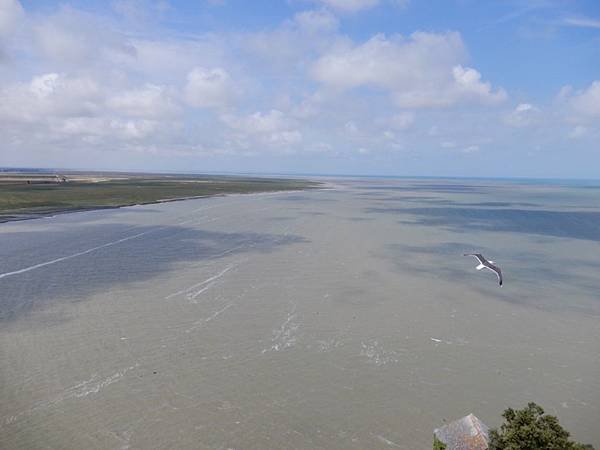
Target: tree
x,y
438,445
528,429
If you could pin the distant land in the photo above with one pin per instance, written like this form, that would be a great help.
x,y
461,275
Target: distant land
x,y
33,193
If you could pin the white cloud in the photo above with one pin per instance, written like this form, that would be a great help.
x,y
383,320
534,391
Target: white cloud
x,y
150,101
291,46
55,110
11,15
91,129
140,10
49,95
471,149
208,88
11,12
421,71
258,122
117,84
350,127
402,121
524,114
273,128
168,58
75,38
468,85
578,132
582,22
586,103
354,6
349,6
316,21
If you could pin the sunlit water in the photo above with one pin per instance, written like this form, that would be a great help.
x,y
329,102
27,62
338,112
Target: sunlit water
x,y
344,318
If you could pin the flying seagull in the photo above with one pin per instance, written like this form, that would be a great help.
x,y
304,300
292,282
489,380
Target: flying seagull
x,y
485,264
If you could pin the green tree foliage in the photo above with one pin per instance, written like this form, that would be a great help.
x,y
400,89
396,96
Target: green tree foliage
x,y
438,445
530,429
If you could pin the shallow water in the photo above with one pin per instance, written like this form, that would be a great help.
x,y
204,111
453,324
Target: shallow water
x,y
343,318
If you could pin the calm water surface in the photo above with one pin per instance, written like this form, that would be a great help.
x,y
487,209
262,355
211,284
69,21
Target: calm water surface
x,y
333,319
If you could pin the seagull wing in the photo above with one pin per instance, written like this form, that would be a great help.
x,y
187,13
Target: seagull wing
x,y
484,263
478,256
498,272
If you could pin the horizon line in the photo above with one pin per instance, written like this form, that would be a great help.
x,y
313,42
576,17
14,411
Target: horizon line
x,y
295,174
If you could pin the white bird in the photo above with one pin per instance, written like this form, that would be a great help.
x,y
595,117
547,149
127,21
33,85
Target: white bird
x,y
485,264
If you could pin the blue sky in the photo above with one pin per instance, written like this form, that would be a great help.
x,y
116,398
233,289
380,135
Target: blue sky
x,y
381,87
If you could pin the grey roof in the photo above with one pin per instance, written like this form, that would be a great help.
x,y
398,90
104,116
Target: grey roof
x,y
468,433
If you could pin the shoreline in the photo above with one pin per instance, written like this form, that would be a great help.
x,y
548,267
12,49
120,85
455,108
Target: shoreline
x,y
53,213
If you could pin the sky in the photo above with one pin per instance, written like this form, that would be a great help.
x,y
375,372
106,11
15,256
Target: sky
x,y
502,88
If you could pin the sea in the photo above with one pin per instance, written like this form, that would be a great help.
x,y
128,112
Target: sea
x,y
344,317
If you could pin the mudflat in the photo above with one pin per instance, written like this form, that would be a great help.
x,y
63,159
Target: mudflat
x,y
341,318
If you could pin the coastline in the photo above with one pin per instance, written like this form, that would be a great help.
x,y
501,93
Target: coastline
x,y
9,218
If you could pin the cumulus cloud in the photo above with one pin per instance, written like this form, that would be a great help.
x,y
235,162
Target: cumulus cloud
x,y
292,45
350,127
149,101
273,127
448,144
349,6
354,6
54,110
316,21
110,82
586,103
523,115
11,13
402,120
422,71
75,38
578,132
49,95
208,88
470,149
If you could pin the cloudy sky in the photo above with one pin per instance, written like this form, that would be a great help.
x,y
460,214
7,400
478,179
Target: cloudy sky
x,y
386,87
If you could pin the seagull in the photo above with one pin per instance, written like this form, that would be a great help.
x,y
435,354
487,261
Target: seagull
x,y
485,264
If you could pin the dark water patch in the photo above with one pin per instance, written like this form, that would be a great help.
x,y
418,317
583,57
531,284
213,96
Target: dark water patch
x,y
438,201
443,249
371,194
409,198
137,259
584,225
280,218
305,198
359,219
503,204
436,188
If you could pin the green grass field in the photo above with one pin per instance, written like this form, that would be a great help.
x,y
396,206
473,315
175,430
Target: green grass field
x,y
19,200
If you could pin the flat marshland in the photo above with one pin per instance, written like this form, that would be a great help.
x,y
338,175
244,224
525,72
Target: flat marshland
x,y
340,318
30,195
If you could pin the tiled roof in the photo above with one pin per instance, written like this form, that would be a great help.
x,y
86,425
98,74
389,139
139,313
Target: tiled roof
x,y
468,433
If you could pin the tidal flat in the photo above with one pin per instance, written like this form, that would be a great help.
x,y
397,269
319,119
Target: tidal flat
x,y
338,318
